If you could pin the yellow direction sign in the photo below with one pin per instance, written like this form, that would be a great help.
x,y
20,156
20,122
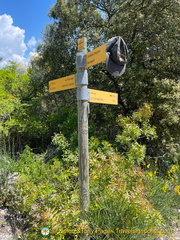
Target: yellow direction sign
x,y
62,83
97,96
96,56
81,44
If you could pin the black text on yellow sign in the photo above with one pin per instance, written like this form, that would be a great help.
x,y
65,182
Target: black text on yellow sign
x,y
81,44
97,96
61,84
96,56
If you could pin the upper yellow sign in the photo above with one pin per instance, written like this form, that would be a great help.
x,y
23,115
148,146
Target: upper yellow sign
x,y
62,83
81,44
96,56
97,96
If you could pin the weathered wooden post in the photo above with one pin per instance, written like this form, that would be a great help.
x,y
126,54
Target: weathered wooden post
x,y
83,111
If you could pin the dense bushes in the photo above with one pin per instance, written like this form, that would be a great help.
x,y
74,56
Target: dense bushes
x,y
123,196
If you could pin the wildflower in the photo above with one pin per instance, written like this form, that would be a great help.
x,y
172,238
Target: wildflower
x,y
150,175
173,169
164,188
148,166
170,176
177,189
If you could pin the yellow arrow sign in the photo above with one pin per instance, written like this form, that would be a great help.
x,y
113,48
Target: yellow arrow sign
x,y
97,96
81,44
96,56
62,83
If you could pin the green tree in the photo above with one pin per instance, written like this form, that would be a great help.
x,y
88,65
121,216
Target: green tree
x,y
14,87
28,114
22,113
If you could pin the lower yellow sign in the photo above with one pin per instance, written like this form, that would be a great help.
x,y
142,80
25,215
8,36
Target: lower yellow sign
x,y
62,83
96,56
97,96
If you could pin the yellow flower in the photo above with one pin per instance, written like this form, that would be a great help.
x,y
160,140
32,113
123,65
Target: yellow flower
x,y
148,166
150,175
177,189
172,178
164,188
173,169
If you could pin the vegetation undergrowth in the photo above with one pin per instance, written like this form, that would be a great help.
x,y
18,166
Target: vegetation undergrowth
x,y
128,198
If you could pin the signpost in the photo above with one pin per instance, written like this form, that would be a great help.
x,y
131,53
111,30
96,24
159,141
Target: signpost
x,y
61,84
81,44
96,56
84,96
103,97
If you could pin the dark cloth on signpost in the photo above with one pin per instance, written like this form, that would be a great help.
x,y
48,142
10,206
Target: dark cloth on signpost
x,y
116,56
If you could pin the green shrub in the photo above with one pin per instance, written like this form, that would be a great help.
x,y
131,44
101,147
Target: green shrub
x,y
123,196
45,195
119,198
165,192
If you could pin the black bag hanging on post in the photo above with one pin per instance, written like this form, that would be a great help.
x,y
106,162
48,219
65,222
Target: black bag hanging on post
x,y
116,56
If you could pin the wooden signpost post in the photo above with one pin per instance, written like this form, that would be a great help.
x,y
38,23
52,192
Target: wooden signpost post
x,y
84,96
83,111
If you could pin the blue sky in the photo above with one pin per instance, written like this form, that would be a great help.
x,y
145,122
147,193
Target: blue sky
x,y
21,26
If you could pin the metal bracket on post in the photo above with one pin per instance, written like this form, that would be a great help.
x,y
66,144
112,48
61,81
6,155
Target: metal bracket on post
x,y
80,60
83,94
82,78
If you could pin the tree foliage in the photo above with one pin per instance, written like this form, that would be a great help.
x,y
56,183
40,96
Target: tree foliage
x,y
151,31
22,111
14,88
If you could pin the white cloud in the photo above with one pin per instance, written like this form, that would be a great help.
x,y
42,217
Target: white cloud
x,y
32,42
33,54
12,42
